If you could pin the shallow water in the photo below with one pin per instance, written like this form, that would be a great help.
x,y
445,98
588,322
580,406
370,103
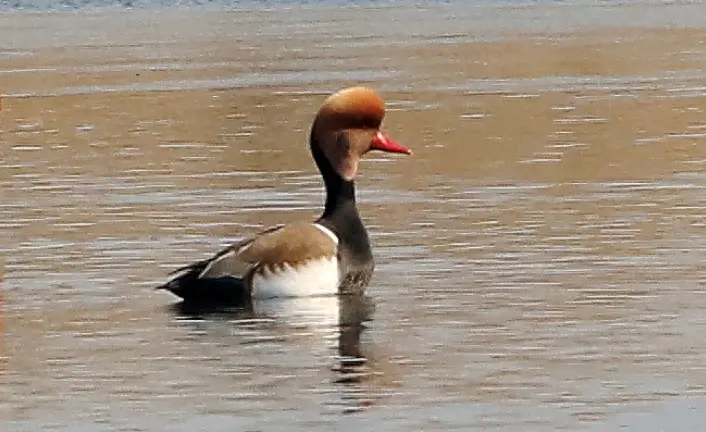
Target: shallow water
x,y
538,258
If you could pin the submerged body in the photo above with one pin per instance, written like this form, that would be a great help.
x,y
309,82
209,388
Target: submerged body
x,y
329,256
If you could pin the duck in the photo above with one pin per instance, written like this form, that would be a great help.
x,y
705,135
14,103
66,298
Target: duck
x,y
329,256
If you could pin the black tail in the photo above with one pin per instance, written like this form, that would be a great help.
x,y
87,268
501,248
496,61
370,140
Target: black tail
x,y
227,290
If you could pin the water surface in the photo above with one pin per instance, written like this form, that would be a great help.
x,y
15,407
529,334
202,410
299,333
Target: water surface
x,y
538,258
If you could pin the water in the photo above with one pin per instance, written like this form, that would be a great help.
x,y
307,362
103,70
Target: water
x,y
538,258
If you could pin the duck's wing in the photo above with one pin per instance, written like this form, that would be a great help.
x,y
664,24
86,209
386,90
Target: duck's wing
x,y
283,244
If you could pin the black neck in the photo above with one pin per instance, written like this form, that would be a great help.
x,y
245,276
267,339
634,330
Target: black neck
x,y
340,211
340,196
340,193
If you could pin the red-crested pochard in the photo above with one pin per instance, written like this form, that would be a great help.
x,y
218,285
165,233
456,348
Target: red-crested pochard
x,y
329,256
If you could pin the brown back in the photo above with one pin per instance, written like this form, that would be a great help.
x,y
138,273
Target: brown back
x,y
292,244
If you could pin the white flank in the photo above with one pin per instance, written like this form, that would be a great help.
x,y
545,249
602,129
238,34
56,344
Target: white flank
x,y
318,277
328,232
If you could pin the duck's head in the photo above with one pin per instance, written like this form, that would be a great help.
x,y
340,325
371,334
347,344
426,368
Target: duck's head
x,y
346,127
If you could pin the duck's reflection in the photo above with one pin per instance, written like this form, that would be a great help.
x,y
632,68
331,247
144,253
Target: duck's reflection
x,y
335,322
354,312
